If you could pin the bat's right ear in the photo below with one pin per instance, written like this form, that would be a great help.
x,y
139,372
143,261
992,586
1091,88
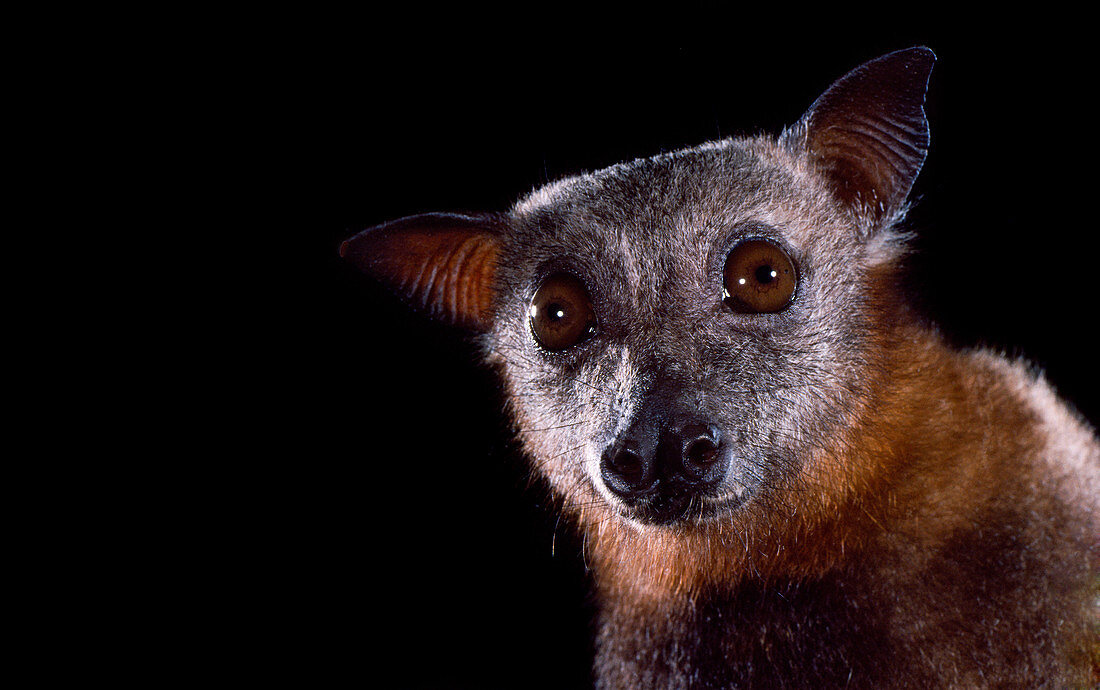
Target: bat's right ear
x,y
868,131
442,263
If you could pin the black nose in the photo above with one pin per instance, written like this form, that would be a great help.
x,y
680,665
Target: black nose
x,y
687,455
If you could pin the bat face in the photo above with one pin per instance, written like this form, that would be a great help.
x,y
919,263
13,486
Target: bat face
x,y
681,334
685,335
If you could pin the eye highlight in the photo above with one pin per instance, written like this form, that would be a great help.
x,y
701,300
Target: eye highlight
x,y
561,313
759,278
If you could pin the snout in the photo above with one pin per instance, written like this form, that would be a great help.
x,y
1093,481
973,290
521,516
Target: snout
x,y
657,470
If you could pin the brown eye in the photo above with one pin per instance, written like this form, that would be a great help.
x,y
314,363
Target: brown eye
x,y
759,278
561,313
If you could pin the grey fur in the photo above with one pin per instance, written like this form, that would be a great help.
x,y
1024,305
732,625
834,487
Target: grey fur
x,y
649,239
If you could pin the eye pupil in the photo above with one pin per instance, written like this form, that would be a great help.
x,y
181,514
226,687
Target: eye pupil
x,y
765,274
759,277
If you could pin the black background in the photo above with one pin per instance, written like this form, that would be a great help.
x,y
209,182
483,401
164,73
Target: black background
x,y
396,536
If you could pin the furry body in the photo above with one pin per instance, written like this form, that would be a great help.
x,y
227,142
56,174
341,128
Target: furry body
x,y
940,572
894,513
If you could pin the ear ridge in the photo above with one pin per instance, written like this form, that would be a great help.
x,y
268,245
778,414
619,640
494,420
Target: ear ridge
x,y
869,132
441,263
459,284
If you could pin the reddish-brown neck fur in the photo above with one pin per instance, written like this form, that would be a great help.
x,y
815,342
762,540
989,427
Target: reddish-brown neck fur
x,y
918,522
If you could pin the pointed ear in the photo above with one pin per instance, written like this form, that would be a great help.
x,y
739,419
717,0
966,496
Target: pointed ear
x,y
442,263
868,131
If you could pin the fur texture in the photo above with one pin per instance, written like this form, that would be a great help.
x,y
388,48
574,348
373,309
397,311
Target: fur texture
x,y
896,513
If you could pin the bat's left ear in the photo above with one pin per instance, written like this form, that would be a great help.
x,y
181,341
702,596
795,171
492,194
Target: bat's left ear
x,y
869,133
442,263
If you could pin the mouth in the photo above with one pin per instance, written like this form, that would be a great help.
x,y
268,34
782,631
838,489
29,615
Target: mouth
x,y
668,506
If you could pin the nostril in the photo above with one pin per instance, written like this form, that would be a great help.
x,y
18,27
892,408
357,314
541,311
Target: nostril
x,y
701,452
626,471
628,465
